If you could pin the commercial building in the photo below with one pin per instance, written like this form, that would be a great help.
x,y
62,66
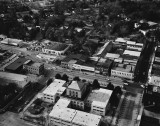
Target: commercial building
x,y
98,101
123,70
50,93
33,67
86,119
11,41
134,46
16,66
55,48
61,115
154,78
103,67
19,79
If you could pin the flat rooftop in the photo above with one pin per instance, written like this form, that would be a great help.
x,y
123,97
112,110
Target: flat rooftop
x,y
124,67
62,103
16,64
54,87
65,114
86,119
100,96
132,53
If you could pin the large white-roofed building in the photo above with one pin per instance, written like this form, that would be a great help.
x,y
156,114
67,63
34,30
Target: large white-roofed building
x,y
61,115
98,101
53,90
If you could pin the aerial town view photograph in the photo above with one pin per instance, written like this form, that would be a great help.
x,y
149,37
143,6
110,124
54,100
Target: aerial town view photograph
x,y
79,62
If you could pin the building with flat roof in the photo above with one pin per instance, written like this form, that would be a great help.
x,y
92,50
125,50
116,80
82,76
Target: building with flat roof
x,y
50,93
16,66
19,79
11,41
61,115
131,45
120,41
55,48
112,56
103,67
34,67
132,53
86,119
123,70
98,101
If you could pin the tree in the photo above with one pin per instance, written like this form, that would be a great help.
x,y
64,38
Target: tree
x,y
58,76
76,78
65,77
117,90
49,81
110,86
95,84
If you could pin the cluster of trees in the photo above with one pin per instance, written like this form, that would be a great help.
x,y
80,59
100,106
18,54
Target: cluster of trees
x,y
64,77
7,93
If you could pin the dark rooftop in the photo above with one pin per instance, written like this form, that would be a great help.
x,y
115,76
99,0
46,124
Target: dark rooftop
x,y
16,64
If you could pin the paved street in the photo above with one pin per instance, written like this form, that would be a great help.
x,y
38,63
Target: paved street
x,y
32,55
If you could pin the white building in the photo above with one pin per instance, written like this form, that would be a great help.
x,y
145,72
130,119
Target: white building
x,y
123,70
154,80
52,91
55,48
98,101
120,41
86,119
132,53
61,115
11,41
76,89
135,46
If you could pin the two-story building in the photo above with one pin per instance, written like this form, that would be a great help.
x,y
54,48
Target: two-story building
x,y
55,48
123,70
75,91
33,67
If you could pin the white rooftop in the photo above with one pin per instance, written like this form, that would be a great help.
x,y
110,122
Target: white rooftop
x,y
86,119
122,40
112,55
131,43
100,97
54,87
132,53
13,76
65,114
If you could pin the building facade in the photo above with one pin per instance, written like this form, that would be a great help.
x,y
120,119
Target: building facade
x,y
34,68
